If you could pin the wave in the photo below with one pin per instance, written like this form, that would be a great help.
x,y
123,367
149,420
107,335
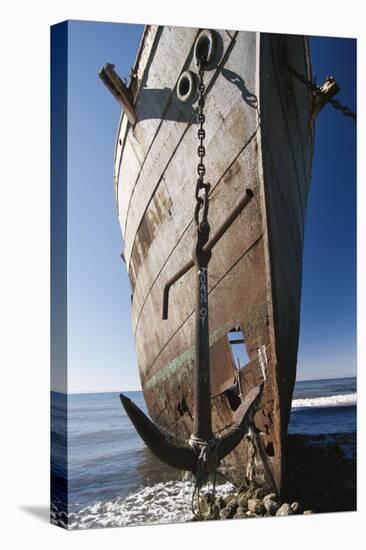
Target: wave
x,y
327,401
165,502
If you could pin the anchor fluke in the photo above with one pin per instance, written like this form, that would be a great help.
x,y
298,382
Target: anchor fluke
x,y
183,458
243,418
188,457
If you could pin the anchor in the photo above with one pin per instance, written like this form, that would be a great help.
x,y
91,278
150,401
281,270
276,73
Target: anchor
x,y
203,452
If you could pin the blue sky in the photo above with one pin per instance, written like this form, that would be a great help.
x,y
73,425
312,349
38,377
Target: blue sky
x,y
328,312
101,349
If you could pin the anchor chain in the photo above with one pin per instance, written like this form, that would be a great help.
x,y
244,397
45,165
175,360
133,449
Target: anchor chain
x,y
317,91
201,198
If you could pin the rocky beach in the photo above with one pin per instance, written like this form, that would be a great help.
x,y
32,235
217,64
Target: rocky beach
x,y
321,477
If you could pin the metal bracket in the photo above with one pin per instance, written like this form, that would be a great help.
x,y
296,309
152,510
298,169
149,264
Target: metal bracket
x,y
207,248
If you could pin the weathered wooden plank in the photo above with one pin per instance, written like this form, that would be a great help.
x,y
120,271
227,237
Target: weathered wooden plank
x,y
283,227
227,190
286,169
152,80
182,301
302,97
131,167
169,137
295,111
122,136
150,34
159,80
248,278
235,118
285,148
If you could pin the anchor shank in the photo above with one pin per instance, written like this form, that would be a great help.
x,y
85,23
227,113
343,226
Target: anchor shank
x,y
202,386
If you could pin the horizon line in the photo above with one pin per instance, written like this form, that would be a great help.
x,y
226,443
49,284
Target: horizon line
x,y
83,392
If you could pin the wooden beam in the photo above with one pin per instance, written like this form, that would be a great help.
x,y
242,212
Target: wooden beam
x,y
120,91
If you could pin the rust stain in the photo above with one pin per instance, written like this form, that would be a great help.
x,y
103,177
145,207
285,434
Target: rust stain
x,y
154,217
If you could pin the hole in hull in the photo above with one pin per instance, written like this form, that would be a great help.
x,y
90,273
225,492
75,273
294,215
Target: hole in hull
x,y
183,408
186,88
233,397
236,340
270,449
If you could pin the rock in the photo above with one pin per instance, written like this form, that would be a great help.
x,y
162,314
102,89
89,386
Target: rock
x,y
215,512
285,510
271,506
243,487
227,513
248,490
255,506
221,503
271,496
307,512
296,508
232,501
240,513
205,503
259,493
232,505
224,513
243,499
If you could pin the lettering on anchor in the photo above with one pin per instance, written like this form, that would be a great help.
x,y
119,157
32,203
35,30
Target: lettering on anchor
x,y
202,274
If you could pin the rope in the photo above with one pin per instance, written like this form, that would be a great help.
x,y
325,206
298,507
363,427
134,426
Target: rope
x,y
251,455
263,361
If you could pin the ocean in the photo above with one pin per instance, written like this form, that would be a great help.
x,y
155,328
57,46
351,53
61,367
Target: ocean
x,y
113,480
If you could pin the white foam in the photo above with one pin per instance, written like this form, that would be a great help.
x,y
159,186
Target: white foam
x,y
166,502
328,401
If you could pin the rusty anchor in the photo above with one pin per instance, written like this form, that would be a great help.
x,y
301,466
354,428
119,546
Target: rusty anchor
x,y
203,452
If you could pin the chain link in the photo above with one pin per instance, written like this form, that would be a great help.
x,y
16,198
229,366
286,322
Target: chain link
x,y
202,201
317,91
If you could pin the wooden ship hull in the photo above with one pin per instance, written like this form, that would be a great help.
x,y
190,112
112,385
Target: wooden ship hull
x,y
258,137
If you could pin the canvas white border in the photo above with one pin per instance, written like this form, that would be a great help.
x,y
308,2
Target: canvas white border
x,y
25,268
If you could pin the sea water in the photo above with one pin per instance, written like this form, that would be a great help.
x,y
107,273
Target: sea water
x,y
114,480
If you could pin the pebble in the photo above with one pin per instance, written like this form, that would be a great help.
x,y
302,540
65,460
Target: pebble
x,y
232,506
227,513
224,513
296,508
271,496
255,506
284,510
243,499
221,503
259,494
251,502
271,506
240,513
215,512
